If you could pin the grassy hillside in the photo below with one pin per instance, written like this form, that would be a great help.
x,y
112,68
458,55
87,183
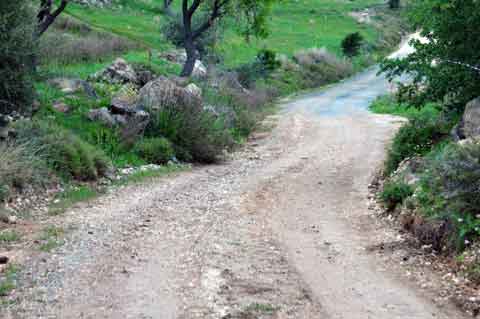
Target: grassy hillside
x,y
294,25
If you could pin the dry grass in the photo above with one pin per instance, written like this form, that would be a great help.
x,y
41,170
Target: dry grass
x,y
318,56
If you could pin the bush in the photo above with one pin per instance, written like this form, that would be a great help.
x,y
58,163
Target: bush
x,y
66,153
157,150
425,129
16,56
450,190
196,135
351,44
263,65
394,193
20,165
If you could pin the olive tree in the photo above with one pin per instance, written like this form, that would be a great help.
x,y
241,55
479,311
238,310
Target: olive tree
x,y
47,14
200,16
448,62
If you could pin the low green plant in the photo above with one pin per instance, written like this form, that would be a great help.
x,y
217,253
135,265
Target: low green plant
x,y
9,236
157,150
51,238
395,193
424,130
352,43
65,152
8,280
71,196
450,190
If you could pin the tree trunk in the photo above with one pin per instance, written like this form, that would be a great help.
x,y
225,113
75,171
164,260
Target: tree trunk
x,y
191,58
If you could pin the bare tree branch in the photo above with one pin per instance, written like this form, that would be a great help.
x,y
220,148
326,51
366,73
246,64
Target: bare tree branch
x,y
46,17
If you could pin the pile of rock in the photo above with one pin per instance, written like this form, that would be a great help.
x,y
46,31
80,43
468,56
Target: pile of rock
x,y
469,126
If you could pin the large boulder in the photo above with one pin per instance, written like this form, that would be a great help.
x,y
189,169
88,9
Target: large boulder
x,y
119,72
103,116
124,101
72,86
471,119
162,92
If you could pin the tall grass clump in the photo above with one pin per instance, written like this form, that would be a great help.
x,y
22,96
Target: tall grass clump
x,y
16,56
65,152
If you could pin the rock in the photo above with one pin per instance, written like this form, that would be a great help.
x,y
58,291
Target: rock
x,y
61,107
119,72
162,92
3,260
134,126
409,170
193,89
72,86
471,119
124,101
199,70
12,219
102,115
144,77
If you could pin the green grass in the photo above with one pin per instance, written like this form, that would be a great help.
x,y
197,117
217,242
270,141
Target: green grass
x,y
261,308
8,282
9,236
149,174
51,238
388,105
293,25
70,197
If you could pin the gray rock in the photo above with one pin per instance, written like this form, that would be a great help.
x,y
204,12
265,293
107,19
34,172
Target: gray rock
x,y
193,89
61,107
102,115
471,119
162,92
124,101
409,170
134,126
72,86
119,72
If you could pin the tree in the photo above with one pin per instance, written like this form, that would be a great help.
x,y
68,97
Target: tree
x,y
351,44
394,4
47,15
447,64
16,48
250,14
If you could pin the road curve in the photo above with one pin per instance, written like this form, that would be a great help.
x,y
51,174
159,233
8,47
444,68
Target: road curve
x,y
280,230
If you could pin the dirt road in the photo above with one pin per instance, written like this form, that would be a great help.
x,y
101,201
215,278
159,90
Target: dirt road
x,y
278,231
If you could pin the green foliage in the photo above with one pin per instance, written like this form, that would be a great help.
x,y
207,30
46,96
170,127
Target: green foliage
x,y
424,129
394,4
65,152
9,236
71,196
157,150
8,280
394,193
51,238
196,135
352,43
452,43
16,56
264,64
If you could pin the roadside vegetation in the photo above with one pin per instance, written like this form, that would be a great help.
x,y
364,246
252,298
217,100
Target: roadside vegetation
x,y
432,179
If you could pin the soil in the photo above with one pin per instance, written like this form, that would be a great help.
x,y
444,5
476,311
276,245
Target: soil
x,y
280,230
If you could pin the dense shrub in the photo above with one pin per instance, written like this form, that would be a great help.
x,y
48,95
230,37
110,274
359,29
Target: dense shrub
x,y
16,56
416,138
351,44
20,165
263,65
196,135
450,189
65,152
394,193
157,150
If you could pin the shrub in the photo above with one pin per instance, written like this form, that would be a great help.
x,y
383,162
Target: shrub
x,y
351,44
157,150
263,65
16,56
450,190
416,138
196,135
394,193
65,152
20,165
